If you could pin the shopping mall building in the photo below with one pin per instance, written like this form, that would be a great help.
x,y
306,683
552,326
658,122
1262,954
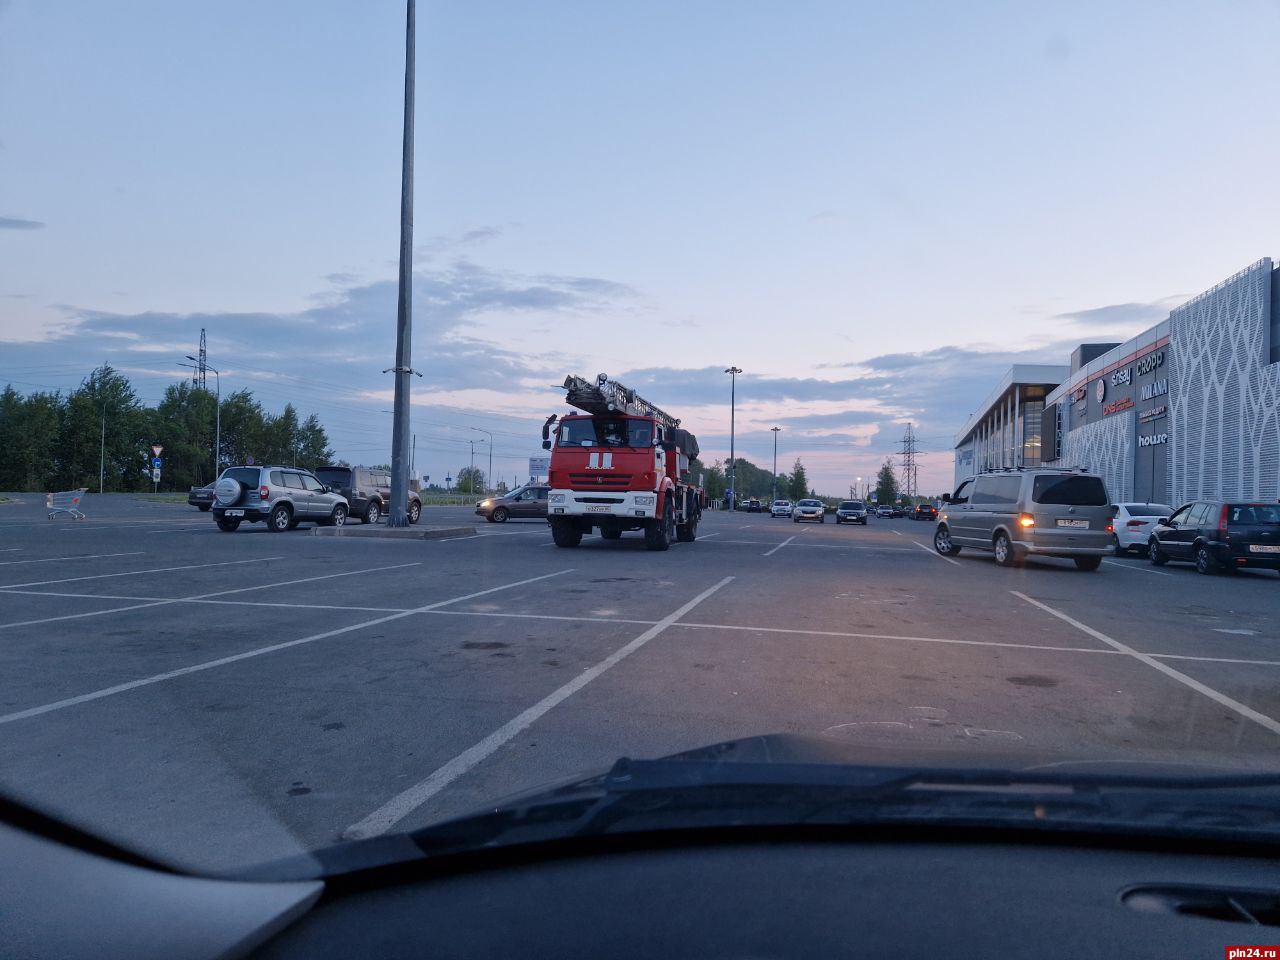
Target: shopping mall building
x,y
1187,409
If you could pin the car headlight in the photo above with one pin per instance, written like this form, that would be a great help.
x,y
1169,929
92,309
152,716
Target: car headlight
x,y
557,498
644,501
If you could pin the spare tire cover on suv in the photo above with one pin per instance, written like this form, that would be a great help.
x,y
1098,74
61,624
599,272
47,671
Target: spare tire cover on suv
x,y
227,492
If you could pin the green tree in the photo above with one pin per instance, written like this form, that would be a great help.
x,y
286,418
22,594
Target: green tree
x,y
713,480
313,444
243,429
183,423
103,428
886,484
798,484
470,480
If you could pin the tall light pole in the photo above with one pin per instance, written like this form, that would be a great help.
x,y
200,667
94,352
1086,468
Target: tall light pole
x,y
399,516
488,477
102,448
217,415
775,460
733,464
859,490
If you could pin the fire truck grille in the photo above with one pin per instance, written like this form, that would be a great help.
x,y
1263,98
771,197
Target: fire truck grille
x,y
600,481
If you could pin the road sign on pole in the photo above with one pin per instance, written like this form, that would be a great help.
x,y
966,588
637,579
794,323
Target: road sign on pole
x,y
156,449
156,463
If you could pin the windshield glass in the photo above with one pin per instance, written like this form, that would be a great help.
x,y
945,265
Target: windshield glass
x,y
854,254
606,432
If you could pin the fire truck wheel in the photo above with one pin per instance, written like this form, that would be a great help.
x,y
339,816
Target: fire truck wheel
x,y
565,533
659,533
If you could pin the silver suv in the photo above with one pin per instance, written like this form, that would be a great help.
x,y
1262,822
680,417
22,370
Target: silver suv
x,y
282,496
1019,513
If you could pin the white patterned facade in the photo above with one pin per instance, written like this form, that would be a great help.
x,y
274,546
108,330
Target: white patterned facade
x,y
1107,449
1224,395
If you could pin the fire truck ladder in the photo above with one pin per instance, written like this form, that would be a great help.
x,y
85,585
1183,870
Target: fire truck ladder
x,y
605,396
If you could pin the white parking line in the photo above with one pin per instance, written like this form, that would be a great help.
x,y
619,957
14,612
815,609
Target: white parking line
x,y
933,552
248,654
1261,719
899,533
1126,566
707,536
405,802
130,573
196,597
92,556
203,526
769,553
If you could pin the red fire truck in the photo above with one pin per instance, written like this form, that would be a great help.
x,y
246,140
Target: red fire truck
x,y
622,464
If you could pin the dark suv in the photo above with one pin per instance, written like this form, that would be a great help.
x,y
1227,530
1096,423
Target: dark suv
x,y
368,491
1218,535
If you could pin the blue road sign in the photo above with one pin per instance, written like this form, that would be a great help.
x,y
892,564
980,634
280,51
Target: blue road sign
x,y
156,463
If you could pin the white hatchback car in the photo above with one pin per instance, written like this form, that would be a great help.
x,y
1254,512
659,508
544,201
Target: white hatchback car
x,y
1134,523
780,508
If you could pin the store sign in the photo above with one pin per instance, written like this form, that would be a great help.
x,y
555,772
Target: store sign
x,y
1151,362
1078,394
1125,404
1155,413
1151,390
1122,376
1154,440
1100,389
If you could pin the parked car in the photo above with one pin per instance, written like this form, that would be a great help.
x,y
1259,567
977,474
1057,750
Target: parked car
x,y
851,511
367,491
522,502
201,497
1219,535
1040,512
1134,523
809,510
925,511
884,512
753,505
780,508
283,497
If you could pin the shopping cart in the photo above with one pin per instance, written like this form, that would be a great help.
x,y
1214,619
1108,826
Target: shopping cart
x,y
67,501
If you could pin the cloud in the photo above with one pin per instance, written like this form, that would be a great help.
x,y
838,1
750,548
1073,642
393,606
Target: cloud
x,y
15,223
1129,314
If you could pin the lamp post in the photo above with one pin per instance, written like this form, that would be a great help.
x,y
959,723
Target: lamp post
x,y
733,465
217,413
860,489
775,461
488,477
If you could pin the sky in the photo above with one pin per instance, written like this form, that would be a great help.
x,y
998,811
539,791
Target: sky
x,y
872,209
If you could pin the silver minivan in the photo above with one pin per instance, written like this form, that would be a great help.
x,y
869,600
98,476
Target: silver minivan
x,y
1029,512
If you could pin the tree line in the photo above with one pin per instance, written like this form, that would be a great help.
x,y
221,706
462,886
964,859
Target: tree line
x,y
56,441
753,481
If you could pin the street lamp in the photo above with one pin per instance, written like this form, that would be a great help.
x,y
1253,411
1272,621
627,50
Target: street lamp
x,y
217,415
488,477
733,466
775,460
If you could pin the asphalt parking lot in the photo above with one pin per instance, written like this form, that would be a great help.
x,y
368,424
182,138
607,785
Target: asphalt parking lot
x,y
228,698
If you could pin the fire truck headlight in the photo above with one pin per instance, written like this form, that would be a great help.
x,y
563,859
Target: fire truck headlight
x,y
644,501
557,498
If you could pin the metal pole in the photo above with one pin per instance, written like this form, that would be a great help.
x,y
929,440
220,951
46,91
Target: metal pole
x,y
471,478
775,461
488,480
413,458
217,424
733,466
399,516
102,448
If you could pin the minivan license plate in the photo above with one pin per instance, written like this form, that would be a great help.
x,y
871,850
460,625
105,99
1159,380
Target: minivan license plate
x,y
1073,523
1263,548
233,513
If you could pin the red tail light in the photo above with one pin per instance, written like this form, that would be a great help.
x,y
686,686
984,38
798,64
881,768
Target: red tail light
x,y
1136,523
1111,527
1026,520
1222,519
263,492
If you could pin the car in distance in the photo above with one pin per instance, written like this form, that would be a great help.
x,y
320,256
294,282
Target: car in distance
x,y
367,491
1218,536
851,511
884,512
925,511
1037,512
753,505
522,502
1134,523
809,510
202,497
780,508
282,497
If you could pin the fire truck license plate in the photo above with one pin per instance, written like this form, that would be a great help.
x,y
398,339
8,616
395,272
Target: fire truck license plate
x,y
597,508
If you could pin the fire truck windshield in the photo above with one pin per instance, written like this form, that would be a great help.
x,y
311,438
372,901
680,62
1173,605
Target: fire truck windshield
x,y
605,432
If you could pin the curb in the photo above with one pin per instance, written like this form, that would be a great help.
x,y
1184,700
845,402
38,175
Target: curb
x,y
379,532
